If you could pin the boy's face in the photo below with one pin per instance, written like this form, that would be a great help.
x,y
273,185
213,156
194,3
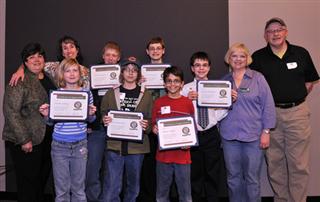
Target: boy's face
x,y
155,51
173,84
130,74
200,68
111,56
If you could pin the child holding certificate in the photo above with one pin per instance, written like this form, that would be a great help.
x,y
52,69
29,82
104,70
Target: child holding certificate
x,y
125,156
172,162
69,144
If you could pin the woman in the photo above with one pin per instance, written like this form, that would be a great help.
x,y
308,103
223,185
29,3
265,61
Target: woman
x,y
25,132
245,131
68,48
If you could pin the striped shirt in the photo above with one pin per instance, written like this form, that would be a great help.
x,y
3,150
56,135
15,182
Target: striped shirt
x,y
72,131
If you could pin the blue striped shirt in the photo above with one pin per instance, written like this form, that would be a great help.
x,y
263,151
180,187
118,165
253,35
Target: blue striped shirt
x,y
72,131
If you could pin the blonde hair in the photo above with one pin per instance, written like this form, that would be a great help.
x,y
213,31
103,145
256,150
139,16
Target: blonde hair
x,y
66,63
235,47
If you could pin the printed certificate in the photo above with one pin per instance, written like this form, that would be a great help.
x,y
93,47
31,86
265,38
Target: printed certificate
x,y
125,125
214,93
153,74
176,133
69,105
104,76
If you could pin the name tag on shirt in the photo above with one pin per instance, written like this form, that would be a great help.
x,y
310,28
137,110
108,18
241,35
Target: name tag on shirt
x,y
292,65
244,90
165,110
122,96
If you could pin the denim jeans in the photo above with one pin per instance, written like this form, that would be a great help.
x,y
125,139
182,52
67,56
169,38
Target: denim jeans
x,y
69,170
243,162
165,173
95,176
116,165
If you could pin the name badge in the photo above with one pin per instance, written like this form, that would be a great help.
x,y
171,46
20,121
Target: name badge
x,y
165,110
292,65
122,96
244,90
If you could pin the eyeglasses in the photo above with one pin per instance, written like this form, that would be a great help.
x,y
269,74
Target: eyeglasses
x,y
197,65
176,81
275,31
155,49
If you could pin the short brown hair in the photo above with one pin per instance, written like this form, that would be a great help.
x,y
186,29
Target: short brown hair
x,y
112,45
62,68
156,40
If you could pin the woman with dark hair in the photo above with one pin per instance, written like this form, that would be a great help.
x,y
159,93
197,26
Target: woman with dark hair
x,y
68,48
26,134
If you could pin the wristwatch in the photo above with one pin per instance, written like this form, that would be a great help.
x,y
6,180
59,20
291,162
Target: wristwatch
x,y
267,131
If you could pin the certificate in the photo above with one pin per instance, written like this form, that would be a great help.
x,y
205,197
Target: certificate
x,y
125,125
176,133
69,105
154,75
104,76
214,93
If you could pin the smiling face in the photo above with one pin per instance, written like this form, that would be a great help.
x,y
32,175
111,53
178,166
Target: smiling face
x,y
71,75
155,52
276,35
238,60
69,50
201,69
130,74
173,84
35,63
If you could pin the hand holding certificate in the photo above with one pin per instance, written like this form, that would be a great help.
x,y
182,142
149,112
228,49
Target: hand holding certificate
x,y
104,76
69,105
125,125
153,75
176,133
214,93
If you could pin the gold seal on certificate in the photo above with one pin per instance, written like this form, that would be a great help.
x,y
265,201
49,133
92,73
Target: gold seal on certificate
x,y
153,73
69,105
176,132
214,93
125,125
104,76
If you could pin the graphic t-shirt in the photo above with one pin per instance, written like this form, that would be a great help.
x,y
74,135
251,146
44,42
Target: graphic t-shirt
x,y
129,98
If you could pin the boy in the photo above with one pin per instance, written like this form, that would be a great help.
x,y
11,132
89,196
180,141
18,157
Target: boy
x,y
123,156
172,162
155,50
96,134
205,158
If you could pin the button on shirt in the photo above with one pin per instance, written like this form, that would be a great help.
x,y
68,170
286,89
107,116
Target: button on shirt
x,y
253,110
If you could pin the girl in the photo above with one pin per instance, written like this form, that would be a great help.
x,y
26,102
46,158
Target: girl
x,y
69,145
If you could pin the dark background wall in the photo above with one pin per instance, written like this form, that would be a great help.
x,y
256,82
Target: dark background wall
x,y
186,25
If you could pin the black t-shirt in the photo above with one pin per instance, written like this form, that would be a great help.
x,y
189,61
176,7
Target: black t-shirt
x,y
129,98
128,102
286,76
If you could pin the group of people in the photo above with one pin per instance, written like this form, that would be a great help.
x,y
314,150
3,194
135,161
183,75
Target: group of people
x,y
269,115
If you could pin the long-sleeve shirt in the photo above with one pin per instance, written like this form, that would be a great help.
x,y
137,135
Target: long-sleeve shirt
x,y
178,107
253,110
72,131
214,115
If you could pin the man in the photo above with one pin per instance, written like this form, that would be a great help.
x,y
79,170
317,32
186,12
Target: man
x,y
290,73
205,167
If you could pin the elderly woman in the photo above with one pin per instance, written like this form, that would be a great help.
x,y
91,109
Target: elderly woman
x,y
26,134
245,131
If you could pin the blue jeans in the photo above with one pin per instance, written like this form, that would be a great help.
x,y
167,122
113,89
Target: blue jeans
x,y
243,162
116,165
69,170
165,173
94,179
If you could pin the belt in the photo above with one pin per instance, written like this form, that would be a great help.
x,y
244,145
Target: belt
x,y
289,104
